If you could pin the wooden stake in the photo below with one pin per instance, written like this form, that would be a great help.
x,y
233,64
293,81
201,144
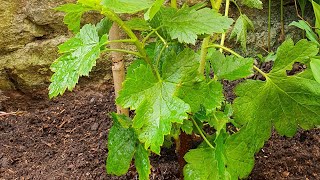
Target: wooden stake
x,y
118,67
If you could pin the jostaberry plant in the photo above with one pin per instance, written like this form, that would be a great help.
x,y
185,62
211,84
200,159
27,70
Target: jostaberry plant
x,y
173,87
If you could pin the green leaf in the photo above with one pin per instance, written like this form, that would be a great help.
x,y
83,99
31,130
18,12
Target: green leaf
x,y
223,162
288,53
80,55
127,6
187,23
154,99
209,94
230,67
138,24
153,10
309,32
240,29
286,102
121,148
252,3
202,165
316,10
315,66
142,162
187,126
104,26
73,15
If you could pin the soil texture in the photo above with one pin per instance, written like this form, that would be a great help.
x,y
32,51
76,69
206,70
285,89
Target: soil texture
x,y
66,138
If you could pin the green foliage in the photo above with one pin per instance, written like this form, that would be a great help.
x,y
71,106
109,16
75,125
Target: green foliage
x,y
230,67
187,23
123,145
160,101
315,67
283,101
127,6
169,91
240,29
309,32
252,3
79,56
73,15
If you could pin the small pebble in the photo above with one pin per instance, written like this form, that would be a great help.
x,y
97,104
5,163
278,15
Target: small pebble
x,y
94,127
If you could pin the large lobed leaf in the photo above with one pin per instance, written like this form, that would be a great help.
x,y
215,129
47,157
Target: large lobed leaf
x,y
158,101
187,23
79,56
286,102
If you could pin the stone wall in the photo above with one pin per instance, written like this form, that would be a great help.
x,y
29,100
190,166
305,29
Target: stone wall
x,y
31,31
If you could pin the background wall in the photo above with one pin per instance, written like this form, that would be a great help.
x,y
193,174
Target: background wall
x,y
31,31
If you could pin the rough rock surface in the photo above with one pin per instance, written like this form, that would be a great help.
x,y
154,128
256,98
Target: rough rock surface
x,y
30,33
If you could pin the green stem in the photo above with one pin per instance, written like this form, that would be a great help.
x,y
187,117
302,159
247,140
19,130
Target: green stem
x,y
204,51
150,34
174,4
216,4
140,46
269,26
224,48
115,18
201,133
123,51
162,39
235,3
226,13
261,72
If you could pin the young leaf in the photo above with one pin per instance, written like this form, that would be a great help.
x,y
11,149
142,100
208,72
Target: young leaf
x,y
230,67
121,146
80,55
73,15
153,10
104,26
187,127
309,32
283,101
187,23
252,3
316,10
240,29
142,162
127,6
138,24
315,66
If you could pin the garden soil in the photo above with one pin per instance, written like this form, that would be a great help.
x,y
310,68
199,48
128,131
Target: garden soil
x,y
66,138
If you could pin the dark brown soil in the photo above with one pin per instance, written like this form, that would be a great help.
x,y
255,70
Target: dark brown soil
x,y
66,138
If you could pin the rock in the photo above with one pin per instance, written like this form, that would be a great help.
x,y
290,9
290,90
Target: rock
x,y
95,126
28,68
